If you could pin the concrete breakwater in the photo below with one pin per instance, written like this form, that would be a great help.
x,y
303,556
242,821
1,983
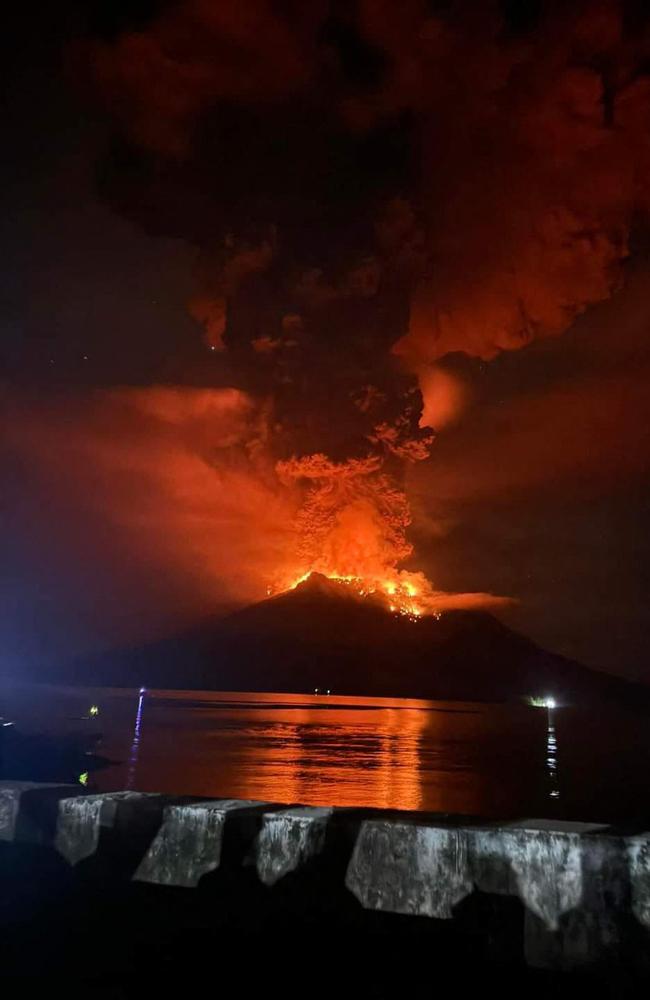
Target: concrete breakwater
x,y
581,891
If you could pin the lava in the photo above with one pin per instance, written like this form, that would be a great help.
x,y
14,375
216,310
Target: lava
x,y
401,596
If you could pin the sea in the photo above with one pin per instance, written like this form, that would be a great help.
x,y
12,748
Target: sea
x,y
494,761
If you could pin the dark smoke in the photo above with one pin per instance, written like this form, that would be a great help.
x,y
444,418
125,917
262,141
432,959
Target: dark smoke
x,y
372,186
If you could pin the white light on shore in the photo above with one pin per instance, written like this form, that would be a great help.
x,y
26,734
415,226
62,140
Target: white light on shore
x,y
538,701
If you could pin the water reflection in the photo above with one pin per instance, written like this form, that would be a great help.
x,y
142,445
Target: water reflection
x,y
135,744
551,756
329,750
311,755
319,750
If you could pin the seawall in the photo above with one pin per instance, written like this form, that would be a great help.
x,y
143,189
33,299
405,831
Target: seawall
x,y
546,894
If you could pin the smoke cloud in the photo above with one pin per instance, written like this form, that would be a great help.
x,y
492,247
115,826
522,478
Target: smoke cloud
x,y
493,163
371,188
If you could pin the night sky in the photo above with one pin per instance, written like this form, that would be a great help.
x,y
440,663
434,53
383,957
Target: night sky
x,y
223,222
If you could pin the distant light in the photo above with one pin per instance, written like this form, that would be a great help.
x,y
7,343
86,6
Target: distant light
x,y
328,691
93,710
143,690
83,778
537,701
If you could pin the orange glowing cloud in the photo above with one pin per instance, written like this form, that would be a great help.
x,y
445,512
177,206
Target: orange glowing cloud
x,y
166,476
444,397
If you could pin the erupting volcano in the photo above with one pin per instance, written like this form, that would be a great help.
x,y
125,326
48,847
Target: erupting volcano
x,y
351,528
388,214
370,189
353,517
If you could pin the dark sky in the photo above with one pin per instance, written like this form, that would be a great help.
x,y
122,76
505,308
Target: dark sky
x,y
119,522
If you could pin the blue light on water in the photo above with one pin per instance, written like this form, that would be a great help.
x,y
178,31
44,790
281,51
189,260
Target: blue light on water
x,y
135,743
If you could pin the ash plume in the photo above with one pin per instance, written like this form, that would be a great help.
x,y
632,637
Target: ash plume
x,y
371,187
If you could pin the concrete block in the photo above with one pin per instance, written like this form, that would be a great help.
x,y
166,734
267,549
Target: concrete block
x,y
638,857
188,844
129,815
289,838
410,868
28,810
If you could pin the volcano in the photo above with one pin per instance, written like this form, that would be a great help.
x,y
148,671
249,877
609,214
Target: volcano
x,y
324,636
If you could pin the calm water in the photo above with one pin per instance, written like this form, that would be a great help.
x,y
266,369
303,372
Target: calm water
x,y
488,760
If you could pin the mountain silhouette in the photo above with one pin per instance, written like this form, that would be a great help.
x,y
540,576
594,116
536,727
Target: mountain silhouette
x,y
322,635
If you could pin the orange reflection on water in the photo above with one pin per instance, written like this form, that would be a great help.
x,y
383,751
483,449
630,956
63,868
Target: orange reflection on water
x,y
319,750
482,759
312,749
327,755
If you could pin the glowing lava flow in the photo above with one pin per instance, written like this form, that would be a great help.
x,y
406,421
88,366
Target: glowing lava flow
x,y
402,597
